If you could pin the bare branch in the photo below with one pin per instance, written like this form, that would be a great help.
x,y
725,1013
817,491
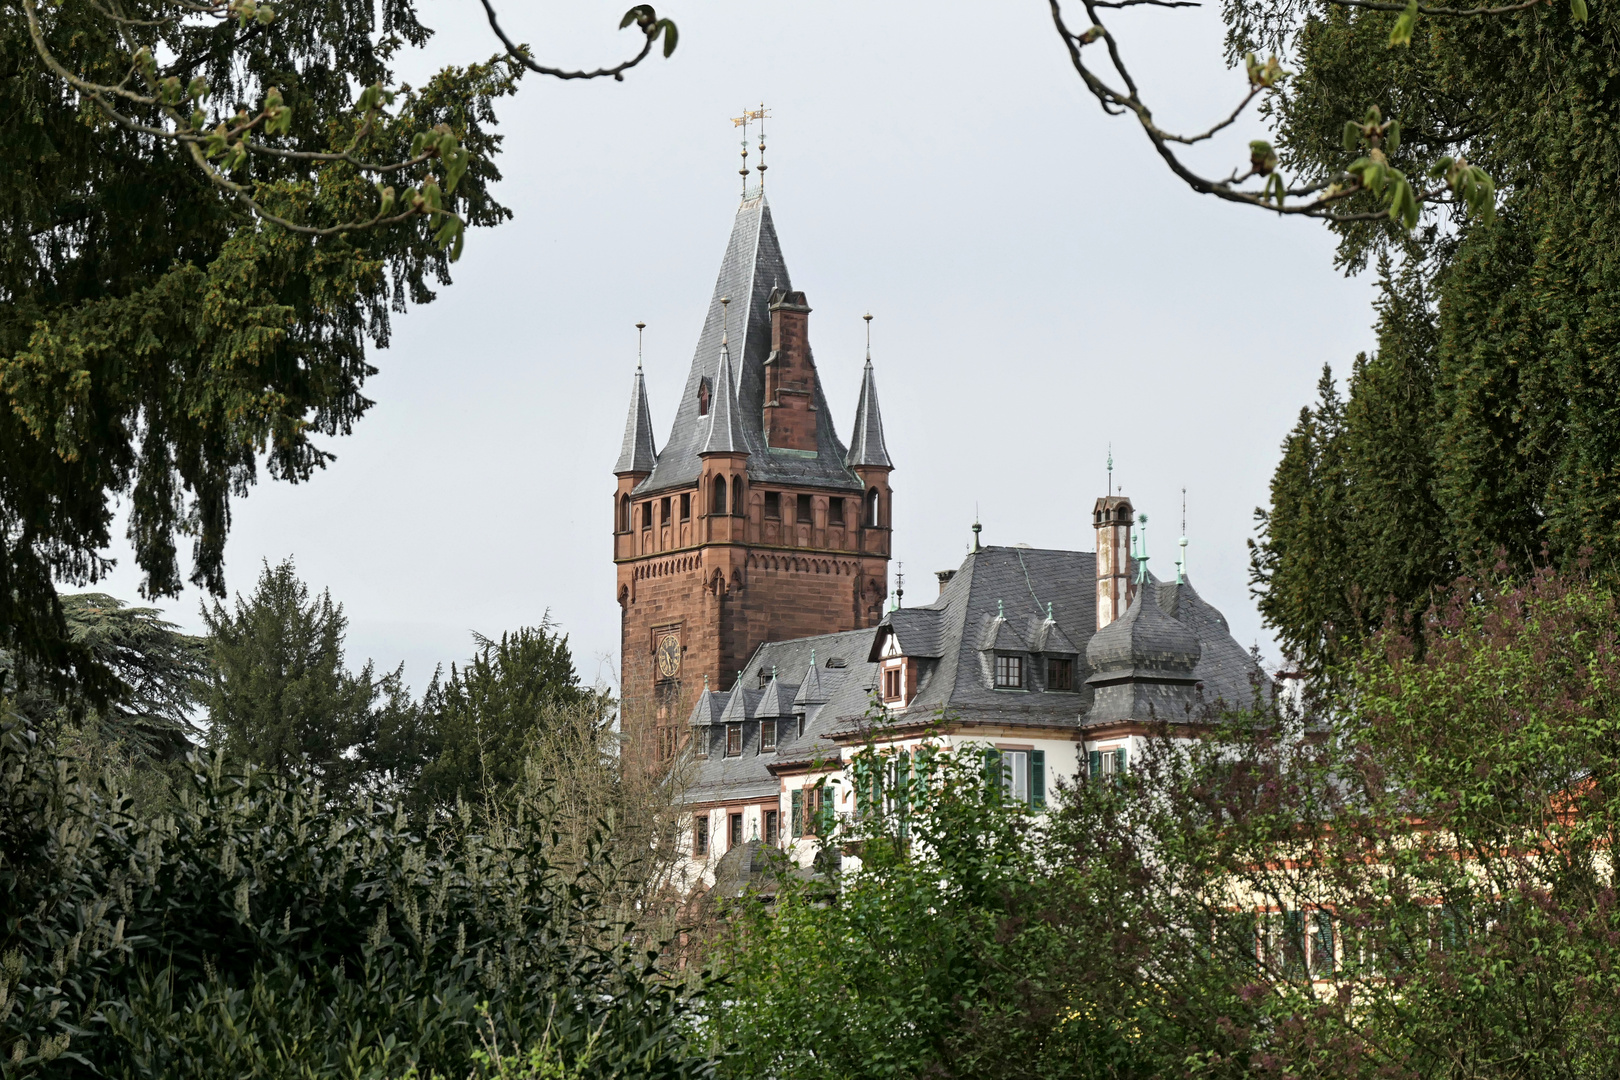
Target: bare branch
x,y
521,54
1148,3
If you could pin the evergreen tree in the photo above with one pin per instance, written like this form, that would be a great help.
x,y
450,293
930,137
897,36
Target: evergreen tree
x,y
279,695
473,729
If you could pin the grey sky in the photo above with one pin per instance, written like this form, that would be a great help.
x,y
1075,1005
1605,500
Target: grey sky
x,y
1041,288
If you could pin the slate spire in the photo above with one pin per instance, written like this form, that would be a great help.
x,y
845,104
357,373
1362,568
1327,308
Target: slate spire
x,y
866,446
637,455
725,434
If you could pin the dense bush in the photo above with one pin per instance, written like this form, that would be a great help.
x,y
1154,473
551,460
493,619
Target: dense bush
x,y
263,929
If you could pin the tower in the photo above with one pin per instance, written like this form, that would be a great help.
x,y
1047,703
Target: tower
x,y
755,523
1112,517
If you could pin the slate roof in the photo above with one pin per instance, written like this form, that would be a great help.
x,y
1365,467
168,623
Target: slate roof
x,y
637,454
866,445
725,434
753,266
1038,602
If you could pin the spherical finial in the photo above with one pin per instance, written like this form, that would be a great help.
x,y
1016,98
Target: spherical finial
x,y
641,326
1141,519
867,316
724,300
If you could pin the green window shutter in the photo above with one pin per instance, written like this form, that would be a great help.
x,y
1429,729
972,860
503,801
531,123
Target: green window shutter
x,y
1095,772
1119,762
798,811
1037,778
992,769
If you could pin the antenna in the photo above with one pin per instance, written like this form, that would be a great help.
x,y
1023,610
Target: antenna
x,y
868,318
640,326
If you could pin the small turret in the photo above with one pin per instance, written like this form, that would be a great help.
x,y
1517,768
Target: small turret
x,y
637,454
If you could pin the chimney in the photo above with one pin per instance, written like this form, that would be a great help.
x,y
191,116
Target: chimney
x,y
790,376
944,579
1112,517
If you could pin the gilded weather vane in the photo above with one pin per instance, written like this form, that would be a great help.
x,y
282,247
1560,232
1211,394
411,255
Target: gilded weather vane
x,y
761,114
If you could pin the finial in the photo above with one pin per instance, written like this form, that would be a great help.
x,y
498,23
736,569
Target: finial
x,y
640,326
773,672
1049,612
725,318
812,658
742,122
999,613
976,528
1181,561
868,318
1109,490
1142,557
761,115
705,684
899,584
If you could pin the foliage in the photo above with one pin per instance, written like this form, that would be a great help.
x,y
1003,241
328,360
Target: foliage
x,y
279,695
267,929
943,953
158,671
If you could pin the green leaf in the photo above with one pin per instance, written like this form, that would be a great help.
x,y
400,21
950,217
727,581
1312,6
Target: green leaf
x,y
1352,134
1405,23
640,13
1577,10
1392,137
671,35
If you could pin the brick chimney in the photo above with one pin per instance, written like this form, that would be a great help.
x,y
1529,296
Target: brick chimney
x,y
790,376
1112,517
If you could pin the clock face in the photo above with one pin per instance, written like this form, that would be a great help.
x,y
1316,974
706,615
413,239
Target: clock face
x,y
669,656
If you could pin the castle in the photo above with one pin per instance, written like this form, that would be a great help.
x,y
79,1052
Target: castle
x,y
752,557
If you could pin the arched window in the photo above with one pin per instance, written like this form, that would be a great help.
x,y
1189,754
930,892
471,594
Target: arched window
x,y
737,506
624,513
703,397
873,520
719,495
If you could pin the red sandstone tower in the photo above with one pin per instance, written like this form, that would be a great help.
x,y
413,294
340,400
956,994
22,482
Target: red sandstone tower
x,y
755,523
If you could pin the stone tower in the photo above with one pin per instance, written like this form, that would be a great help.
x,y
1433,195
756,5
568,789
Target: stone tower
x,y
755,523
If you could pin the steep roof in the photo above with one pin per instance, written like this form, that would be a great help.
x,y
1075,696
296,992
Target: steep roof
x,y
753,266
725,435
866,446
637,454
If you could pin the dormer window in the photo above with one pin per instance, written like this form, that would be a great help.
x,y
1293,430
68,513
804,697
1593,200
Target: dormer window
x,y
733,740
891,684
703,397
1009,672
1059,673
767,736
700,745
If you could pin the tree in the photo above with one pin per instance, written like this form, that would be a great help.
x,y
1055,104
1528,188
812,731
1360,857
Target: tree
x,y
208,212
476,727
279,695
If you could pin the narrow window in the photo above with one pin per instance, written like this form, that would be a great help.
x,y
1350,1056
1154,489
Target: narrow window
x,y
719,506
663,509
700,835
801,725
767,736
1009,673
835,511
891,684
703,397
686,506
1015,774
733,740
872,520
624,513
796,816
646,515
773,827
1059,674
737,506
773,505
700,742
805,516
736,831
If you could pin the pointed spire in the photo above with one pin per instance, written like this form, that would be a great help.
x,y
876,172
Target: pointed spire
x,y
866,446
637,454
725,415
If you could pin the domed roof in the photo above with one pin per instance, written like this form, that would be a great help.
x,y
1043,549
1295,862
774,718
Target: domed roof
x,y
1143,641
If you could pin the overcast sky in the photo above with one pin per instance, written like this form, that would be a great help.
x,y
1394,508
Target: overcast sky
x,y
1041,289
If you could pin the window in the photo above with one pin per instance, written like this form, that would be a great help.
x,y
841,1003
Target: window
x,y
767,736
734,832
737,507
719,504
700,742
733,740
835,511
703,397
646,515
686,506
773,505
1059,674
1021,773
801,725
773,827
1015,774
796,818
624,513
700,835
809,806
1321,943
804,513
891,684
663,507
1107,764
872,520
1009,672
